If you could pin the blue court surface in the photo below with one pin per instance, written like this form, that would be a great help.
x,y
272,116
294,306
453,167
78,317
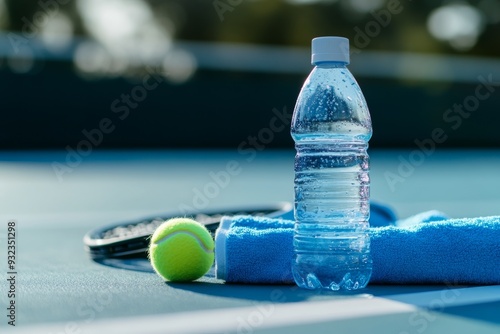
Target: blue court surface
x,y
55,199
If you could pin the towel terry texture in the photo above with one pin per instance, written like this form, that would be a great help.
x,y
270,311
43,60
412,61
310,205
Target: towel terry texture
x,y
427,248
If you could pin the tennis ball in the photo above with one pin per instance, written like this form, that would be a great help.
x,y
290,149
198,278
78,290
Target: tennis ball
x,y
181,250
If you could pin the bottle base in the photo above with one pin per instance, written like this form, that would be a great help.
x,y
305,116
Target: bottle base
x,y
347,281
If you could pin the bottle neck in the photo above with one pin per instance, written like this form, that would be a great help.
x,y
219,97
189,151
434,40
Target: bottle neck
x,y
330,64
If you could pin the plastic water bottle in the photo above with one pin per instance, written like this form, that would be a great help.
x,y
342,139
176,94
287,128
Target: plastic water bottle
x,y
331,127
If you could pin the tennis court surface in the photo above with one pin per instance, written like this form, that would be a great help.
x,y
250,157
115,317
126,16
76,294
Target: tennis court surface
x,y
59,289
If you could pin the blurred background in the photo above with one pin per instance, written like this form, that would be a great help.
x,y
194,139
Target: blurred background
x,y
217,73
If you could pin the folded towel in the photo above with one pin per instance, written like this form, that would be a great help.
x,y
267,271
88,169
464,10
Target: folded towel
x,y
252,249
239,239
427,248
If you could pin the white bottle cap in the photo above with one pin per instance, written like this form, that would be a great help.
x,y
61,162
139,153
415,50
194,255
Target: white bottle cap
x,y
330,48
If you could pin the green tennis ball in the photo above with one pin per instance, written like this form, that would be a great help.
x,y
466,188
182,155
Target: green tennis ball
x,y
181,250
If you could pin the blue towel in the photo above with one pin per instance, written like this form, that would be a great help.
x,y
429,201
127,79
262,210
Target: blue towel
x,y
428,248
238,238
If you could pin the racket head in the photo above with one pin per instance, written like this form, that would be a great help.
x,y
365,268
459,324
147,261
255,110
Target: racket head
x,y
131,239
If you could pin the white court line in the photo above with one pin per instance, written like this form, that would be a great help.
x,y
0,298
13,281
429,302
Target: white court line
x,y
260,316
450,297
268,315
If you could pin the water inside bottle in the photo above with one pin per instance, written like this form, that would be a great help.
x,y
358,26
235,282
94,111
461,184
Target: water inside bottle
x,y
332,189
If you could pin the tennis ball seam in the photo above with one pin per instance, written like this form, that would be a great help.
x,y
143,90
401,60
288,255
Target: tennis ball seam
x,y
200,242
